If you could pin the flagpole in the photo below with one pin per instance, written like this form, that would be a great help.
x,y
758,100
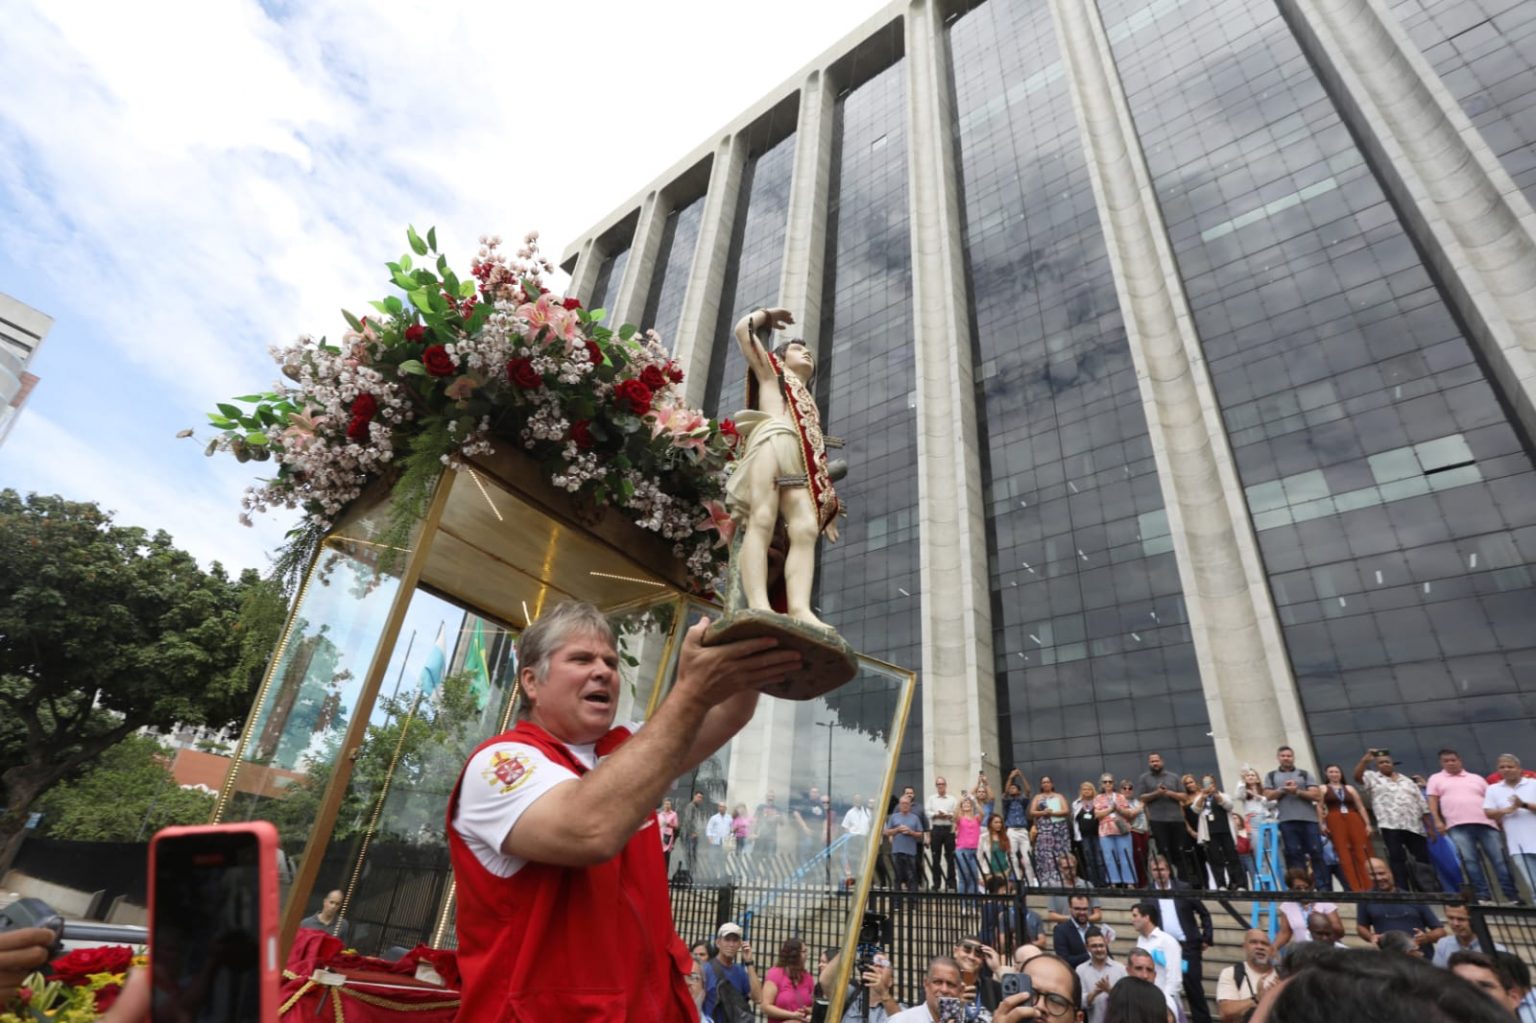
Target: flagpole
x,y
396,694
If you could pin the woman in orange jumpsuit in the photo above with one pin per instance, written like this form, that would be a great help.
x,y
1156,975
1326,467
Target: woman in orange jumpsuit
x,y
1341,813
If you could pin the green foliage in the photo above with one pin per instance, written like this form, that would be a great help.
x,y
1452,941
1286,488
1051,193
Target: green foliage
x,y
124,796
104,630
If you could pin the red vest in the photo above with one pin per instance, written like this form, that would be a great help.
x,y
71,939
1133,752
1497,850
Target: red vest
x,y
568,943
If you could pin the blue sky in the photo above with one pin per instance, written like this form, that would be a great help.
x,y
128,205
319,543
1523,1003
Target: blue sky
x,y
183,184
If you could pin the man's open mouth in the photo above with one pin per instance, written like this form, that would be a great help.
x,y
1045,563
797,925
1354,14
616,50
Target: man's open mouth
x,y
600,696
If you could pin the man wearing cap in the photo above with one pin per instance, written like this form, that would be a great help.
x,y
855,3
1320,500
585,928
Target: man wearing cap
x,y
550,827
732,965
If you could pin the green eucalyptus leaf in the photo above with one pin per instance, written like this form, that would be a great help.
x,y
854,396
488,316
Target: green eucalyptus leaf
x,y
432,238
417,245
404,282
220,421
627,331
248,398
422,299
230,410
380,306
256,437
394,306
405,262
466,289
598,314
352,321
413,367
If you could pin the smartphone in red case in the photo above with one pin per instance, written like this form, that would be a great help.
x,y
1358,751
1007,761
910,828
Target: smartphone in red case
x,y
213,924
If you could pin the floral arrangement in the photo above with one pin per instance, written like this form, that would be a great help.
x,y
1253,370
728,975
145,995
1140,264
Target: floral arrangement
x,y
452,367
79,987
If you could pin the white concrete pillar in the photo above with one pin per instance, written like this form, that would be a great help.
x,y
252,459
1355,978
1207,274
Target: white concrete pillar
x,y
805,235
1249,689
958,687
628,304
589,261
701,302
1476,228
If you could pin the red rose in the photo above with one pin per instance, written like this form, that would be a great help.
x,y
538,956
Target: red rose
x,y
674,373
106,996
364,406
653,378
572,304
633,396
357,429
522,373
581,433
438,362
594,353
75,967
415,332
729,432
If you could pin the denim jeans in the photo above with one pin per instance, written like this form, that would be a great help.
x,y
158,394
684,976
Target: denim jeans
x,y
1526,864
1303,840
1469,839
1118,864
969,871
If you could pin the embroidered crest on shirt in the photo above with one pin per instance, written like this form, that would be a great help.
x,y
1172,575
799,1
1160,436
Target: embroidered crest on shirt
x,y
507,771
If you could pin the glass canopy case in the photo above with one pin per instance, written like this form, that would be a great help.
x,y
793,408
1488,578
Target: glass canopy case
x,y
385,678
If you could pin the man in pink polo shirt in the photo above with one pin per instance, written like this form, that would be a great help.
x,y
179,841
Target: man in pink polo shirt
x,y
1456,803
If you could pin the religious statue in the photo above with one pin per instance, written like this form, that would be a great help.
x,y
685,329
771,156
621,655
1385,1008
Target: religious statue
x,y
781,497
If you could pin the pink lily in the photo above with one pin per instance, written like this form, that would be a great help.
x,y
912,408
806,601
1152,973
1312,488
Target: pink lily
x,y
719,520
539,314
302,427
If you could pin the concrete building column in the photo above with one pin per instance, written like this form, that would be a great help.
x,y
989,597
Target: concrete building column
x,y
628,306
1249,689
1463,209
958,686
701,302
589,261
805,236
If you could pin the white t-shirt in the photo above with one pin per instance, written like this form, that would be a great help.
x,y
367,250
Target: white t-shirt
x,y
1520,826
856,820
501,782
941,809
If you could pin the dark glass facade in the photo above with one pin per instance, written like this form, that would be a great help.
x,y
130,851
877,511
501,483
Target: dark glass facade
x,y
1094,660
1394,505
610,277
752,274
664,304
868,584
1485,53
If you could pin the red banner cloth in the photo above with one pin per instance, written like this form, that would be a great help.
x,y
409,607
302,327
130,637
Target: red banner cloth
x,y
374,990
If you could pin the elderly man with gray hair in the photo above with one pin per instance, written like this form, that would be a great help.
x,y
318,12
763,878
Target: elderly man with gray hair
x,y
550,826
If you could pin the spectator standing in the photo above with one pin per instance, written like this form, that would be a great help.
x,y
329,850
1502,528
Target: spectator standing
x,y
765,829
1159,792
1016,818
1070,937
695,816
967,838
1188,922
922,842
1294,928
732,965
1240,986
994,851
326,919
787,990
1458,920
717,832
941,807
1296,793
1194,853
1098,976
1456,799
905,828
1215,834
982,793
1511,803
1056,905
1112,810
1373,919
1164,950
1342,816
1141,834
666,826
1255,811
1052,816
1085,835
857,822
741,828
1400,808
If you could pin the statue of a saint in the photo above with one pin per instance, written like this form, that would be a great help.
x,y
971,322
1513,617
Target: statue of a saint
x,y
781,495
782,471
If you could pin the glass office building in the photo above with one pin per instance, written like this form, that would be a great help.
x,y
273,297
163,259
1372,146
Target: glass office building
x,y
1185,356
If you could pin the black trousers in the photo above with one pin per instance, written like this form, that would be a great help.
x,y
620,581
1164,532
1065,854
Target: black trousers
x,y
942,841
1173,842
906,870
1226,867
1400,845
1194,983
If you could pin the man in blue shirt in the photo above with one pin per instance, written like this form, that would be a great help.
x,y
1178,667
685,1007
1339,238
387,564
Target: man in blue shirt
x,y
1373,919
904,828
732,965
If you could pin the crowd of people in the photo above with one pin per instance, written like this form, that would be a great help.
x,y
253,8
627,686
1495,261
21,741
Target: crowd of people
x,y
1453,828
1078,973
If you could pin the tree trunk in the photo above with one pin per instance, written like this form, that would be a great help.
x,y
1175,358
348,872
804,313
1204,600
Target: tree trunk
x,y
13,825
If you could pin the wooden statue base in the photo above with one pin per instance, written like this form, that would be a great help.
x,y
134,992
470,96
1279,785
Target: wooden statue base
x,y
829,660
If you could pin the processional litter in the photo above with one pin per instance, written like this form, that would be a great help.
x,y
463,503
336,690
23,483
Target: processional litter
x,y
469,454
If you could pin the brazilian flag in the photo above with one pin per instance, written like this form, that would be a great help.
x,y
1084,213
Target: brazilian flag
x,y
478,667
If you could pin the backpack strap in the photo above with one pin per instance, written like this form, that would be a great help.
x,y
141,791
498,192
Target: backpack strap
x,y
1239,974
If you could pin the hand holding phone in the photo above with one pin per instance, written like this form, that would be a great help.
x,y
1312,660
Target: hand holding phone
x,y
1017,984
951,1010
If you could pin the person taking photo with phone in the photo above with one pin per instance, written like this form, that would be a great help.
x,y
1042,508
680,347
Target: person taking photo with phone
x,y
563,908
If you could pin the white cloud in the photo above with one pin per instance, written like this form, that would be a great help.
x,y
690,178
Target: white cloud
x,y
190,181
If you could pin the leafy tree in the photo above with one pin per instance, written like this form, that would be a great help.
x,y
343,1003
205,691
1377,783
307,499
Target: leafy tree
x,y
125,796
104,630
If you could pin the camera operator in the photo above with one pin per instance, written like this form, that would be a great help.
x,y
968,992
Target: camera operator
x,y
877,977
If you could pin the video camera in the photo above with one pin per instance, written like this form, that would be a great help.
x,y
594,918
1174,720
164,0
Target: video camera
x,y
37,913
